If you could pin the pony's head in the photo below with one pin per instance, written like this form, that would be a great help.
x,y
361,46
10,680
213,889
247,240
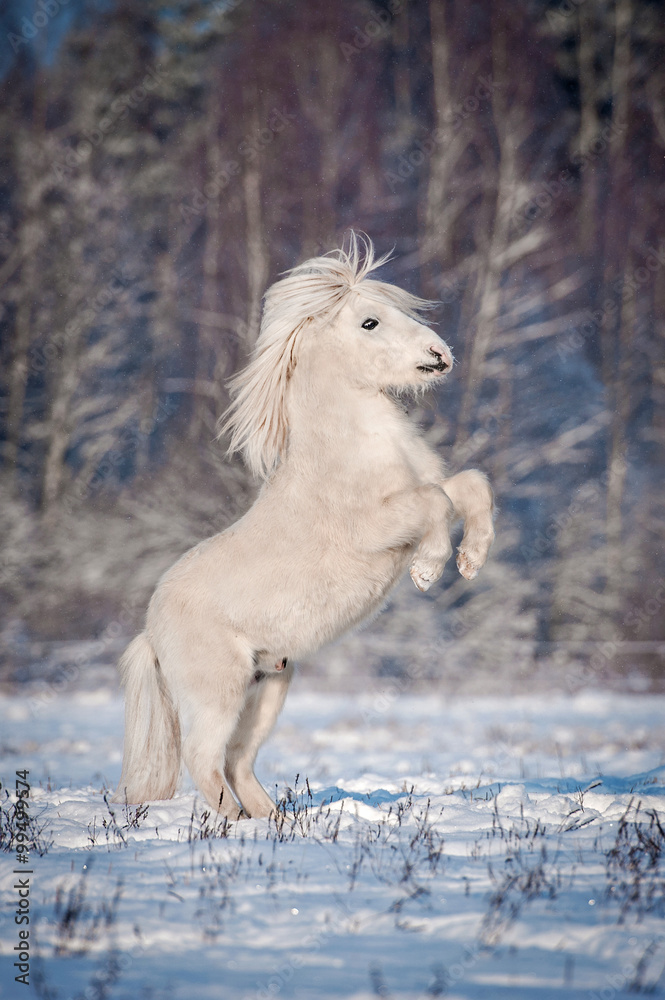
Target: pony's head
x,y
370,331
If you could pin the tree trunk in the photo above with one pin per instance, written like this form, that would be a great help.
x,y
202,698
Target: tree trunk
x,y
511,129
257,265
202,421
26,254
589,126
437,242
18,373
59,426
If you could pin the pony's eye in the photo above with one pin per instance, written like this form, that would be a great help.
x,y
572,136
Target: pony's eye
x,y
369,324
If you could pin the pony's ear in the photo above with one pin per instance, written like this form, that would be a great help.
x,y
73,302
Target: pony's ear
x,y
256,418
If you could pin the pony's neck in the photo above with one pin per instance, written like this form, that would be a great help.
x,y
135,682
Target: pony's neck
x,y
324,404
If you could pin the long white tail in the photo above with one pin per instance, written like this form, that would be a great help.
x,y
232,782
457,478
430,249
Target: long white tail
x,y
151,761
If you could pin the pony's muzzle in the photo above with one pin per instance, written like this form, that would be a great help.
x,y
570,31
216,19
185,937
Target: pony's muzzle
x,y
441,361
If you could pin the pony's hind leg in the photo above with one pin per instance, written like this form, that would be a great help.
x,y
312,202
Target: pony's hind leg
x,y
265,698
213,693
472,498
203,752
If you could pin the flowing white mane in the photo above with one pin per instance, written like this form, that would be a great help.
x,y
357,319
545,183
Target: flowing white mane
x,y
311,294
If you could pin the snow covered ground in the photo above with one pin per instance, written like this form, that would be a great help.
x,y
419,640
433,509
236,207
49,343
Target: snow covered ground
x,y
475,847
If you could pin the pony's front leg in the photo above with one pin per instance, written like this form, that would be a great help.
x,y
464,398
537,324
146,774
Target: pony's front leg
x,y
419,516
434,548
472,498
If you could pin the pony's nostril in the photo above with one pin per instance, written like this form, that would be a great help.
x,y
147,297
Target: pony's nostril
x,y
442,364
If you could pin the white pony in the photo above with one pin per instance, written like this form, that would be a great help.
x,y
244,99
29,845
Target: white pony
x,y
352,497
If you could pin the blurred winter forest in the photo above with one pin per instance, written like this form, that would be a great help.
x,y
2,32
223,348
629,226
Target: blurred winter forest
x,y
161,162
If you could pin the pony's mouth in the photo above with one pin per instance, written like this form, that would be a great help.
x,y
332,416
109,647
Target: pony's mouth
x,y
439,364
442,367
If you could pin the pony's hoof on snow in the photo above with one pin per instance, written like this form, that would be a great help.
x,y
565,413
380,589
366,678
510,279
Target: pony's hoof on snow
x,y
231,814
236,817
467,568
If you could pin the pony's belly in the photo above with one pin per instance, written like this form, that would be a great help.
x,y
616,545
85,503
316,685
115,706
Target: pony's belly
x,y
284,607
325,606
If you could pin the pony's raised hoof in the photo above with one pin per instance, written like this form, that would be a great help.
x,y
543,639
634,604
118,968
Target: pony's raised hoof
x,y
424,574
466,566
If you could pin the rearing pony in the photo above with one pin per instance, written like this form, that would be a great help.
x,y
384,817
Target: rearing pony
x,y
352,497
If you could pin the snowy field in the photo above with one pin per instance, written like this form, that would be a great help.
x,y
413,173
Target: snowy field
x,y
468,847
